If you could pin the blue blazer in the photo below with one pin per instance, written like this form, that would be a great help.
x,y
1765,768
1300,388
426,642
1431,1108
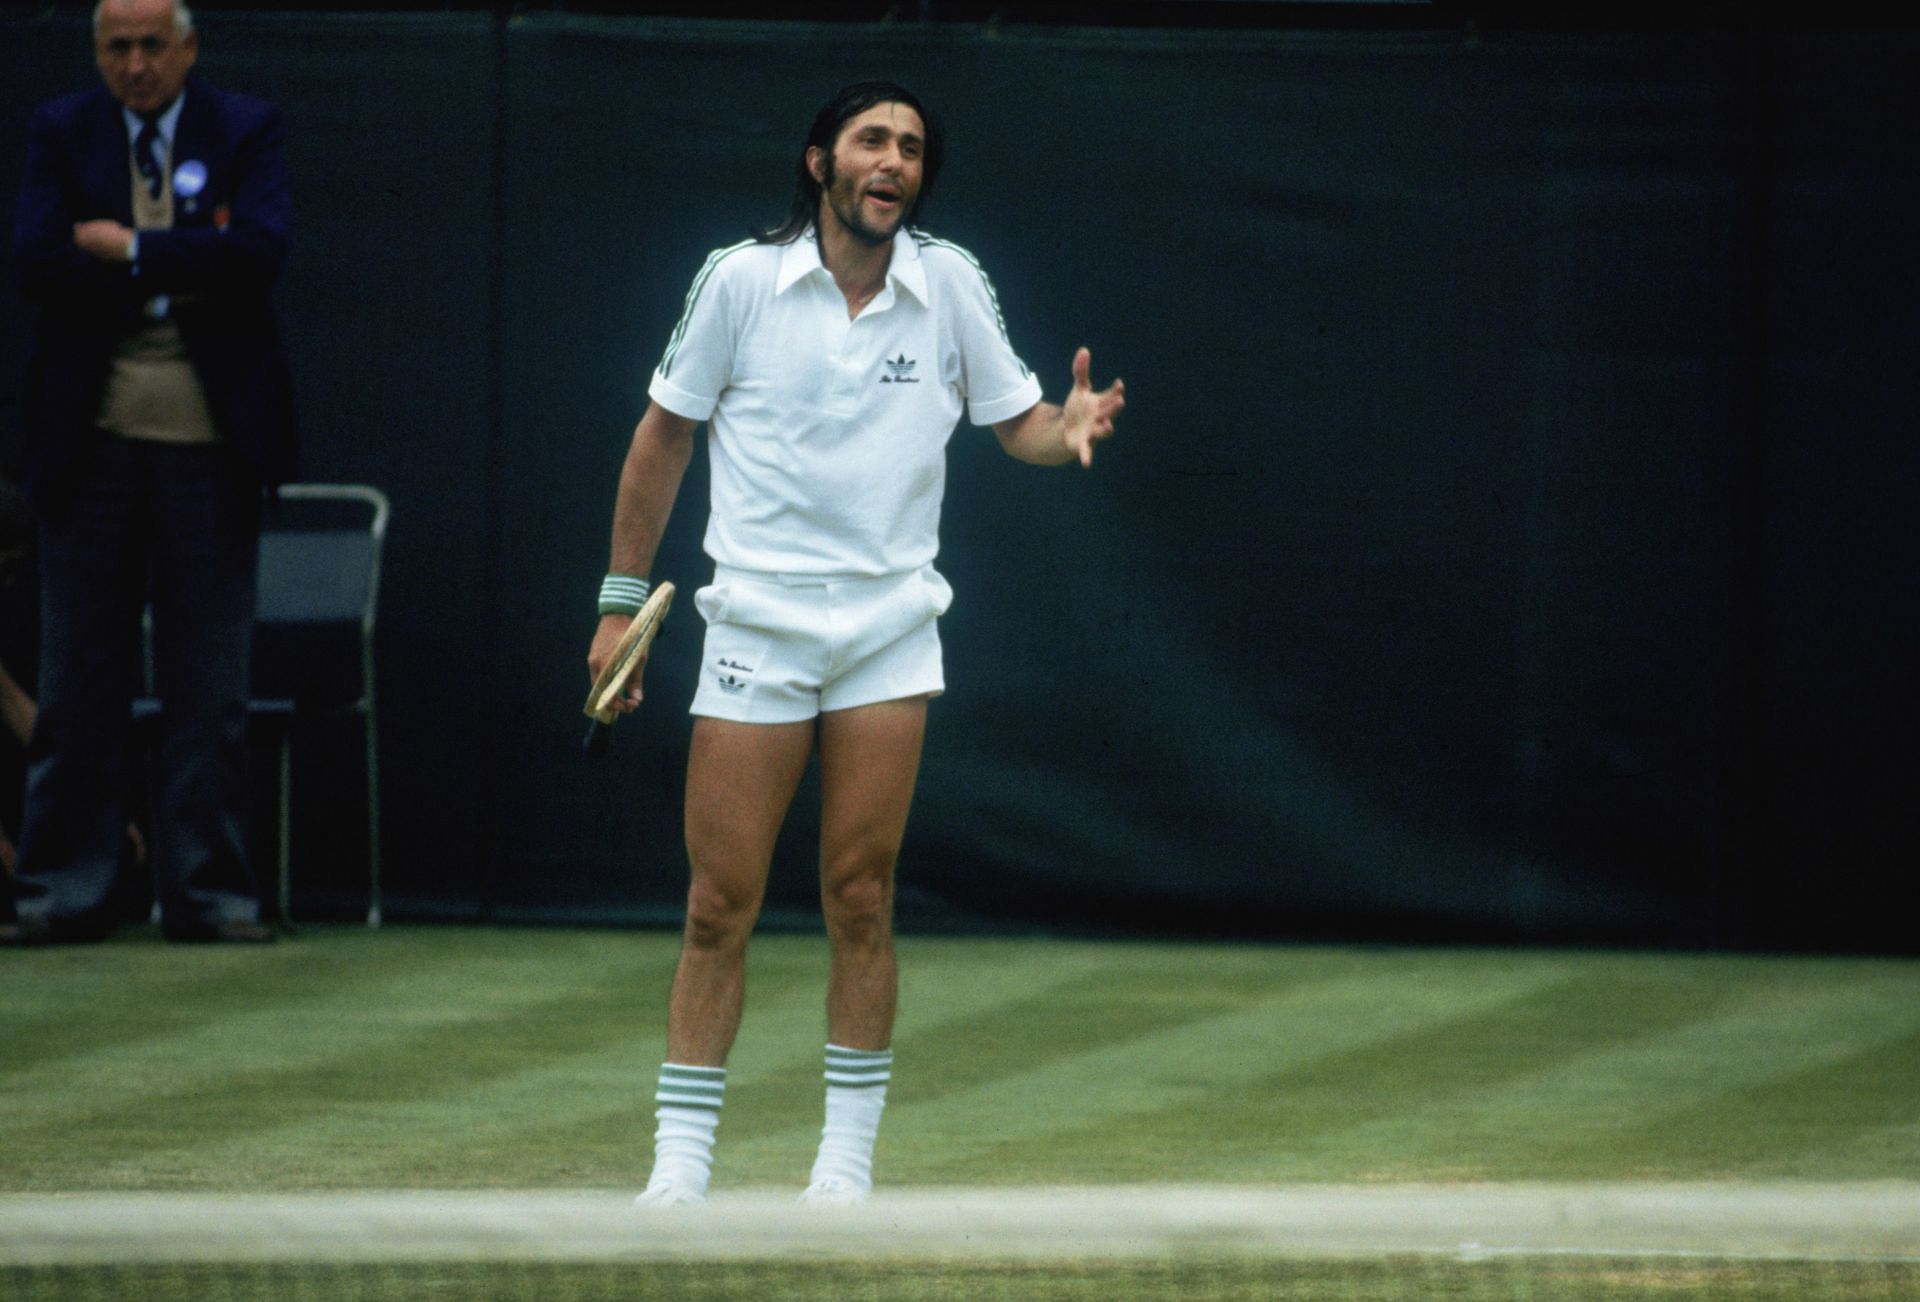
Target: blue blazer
x,y
225,249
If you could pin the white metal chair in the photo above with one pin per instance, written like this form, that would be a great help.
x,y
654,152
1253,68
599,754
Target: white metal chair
x,y
319,574
320,560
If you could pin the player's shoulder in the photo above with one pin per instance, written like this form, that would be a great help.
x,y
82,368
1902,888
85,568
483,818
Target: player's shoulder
x,y
953,273
736,274
740,262
944,257
956,282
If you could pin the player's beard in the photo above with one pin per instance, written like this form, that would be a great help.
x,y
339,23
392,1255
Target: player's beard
x,y
846,206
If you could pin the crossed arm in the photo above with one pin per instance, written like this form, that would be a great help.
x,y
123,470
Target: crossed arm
x,y
63,248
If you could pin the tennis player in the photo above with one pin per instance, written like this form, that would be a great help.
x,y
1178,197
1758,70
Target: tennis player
x,y
831,358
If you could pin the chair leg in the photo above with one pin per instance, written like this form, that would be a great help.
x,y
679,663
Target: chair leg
x,y
286,825
373,818
146,742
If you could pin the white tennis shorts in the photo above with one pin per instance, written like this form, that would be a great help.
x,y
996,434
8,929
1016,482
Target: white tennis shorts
x,y
781,648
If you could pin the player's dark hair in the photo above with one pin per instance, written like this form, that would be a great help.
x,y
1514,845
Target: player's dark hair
x,y
849,103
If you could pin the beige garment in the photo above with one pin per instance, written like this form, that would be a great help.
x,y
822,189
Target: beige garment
x,y
153,392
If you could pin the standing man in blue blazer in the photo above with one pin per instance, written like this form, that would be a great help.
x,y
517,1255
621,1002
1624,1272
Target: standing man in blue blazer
x,y
151,226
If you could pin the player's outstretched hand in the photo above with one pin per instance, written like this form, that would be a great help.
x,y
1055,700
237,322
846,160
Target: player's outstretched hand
x,y
605,639
1087,417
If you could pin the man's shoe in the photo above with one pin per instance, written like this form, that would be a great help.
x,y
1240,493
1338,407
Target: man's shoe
x,y
221,933
28,933
35,932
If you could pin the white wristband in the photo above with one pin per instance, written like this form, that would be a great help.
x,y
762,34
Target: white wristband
x,y
623,594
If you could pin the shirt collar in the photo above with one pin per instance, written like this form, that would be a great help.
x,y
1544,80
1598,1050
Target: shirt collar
x,y
167,121
904,268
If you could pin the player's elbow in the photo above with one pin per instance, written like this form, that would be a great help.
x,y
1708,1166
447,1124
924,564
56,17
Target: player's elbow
x,y
663,433
1015,436
1034,437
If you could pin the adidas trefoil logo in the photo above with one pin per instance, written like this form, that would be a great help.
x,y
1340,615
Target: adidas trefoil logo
x,y
728,672
900,371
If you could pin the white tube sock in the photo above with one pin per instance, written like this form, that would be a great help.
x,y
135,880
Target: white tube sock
x,y
688,1117
856,1095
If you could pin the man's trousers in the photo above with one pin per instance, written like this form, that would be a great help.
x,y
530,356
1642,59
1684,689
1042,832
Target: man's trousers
x,y
178,526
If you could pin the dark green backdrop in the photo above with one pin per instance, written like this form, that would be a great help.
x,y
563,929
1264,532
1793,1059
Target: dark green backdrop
x,y
1509,534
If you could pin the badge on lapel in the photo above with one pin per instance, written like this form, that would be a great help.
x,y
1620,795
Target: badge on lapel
x,y
189,179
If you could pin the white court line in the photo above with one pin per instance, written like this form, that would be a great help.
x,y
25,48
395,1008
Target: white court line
x,y
1852,1222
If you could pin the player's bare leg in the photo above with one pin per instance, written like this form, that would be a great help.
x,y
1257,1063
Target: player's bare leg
x,y
740,779
869,762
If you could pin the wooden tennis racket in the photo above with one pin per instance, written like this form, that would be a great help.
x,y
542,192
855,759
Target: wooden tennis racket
x,y
627,655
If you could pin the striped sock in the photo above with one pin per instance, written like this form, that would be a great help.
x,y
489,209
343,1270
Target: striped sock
x,y
856,1094
689,1101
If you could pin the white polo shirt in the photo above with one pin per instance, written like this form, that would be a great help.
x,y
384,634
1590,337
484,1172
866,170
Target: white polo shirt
x,y
828,436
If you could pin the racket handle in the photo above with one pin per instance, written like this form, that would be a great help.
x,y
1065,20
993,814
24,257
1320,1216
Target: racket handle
x,y
598,735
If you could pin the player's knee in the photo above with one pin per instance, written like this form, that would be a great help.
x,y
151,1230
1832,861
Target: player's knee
x,y
717,918
859,905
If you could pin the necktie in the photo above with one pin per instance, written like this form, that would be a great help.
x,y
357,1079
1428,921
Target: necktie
x,y
143,156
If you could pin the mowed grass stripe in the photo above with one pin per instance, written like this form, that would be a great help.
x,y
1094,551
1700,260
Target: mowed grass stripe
x,y
469,1092
516,1058
1414,1085
775,1088
400,1058
1496,1095
587,1120
582,1119
1039,1121
1788,1122
312,1013
1259,1126
343,980
967,1016
1126,999
73,1008
1867,1155
1485,1095
1598,1113
375,1091
346,1092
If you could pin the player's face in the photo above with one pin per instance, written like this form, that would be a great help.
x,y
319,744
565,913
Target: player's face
x,y
141,56
869,182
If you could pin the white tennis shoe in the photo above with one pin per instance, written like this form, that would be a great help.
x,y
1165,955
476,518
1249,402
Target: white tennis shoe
x,y
832,1191
669,1193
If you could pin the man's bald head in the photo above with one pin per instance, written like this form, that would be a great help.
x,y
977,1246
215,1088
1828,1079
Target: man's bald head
x,y
144,50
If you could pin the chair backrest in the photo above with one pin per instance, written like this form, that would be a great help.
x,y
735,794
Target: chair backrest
x,y
318,592
313,576
320,555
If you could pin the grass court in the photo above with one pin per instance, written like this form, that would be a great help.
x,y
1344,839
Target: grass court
x,y
514,1061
